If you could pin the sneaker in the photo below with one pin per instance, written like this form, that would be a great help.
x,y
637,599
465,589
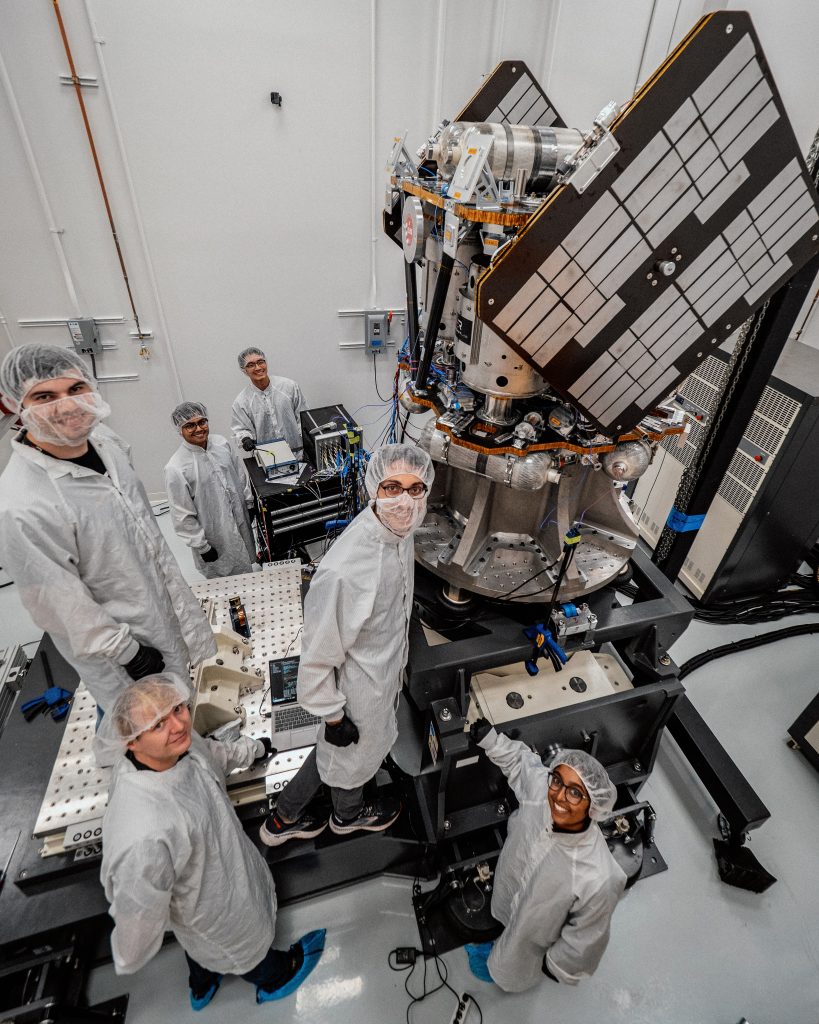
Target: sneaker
x,y
275,831
311,947
374,817
200,1002
478,953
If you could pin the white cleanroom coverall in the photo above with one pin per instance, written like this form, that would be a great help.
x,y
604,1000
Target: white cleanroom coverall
x,y
554,892
92,567
175,857
274,412
356,618
209,494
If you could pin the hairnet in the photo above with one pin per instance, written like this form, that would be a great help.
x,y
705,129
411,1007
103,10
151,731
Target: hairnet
x,y
138,707
395,459
186,411
602,791
249,352
28,365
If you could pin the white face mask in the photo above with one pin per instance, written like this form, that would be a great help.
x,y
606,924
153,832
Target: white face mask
x,y
403,514
66,421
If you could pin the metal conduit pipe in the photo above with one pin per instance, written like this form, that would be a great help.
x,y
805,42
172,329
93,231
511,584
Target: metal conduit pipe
x,y
520,472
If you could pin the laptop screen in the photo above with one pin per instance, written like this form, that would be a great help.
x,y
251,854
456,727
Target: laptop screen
x,y
283,675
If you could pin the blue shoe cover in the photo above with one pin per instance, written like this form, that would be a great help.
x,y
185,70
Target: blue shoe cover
x,y
312,946
200,1002
478,953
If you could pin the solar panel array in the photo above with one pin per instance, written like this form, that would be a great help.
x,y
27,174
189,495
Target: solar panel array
x,y
734,218
511,95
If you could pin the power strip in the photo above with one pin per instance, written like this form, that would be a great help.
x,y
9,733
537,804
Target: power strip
x,y
462,1010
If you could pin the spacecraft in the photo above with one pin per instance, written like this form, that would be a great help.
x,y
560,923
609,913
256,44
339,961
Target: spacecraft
x,y
562,283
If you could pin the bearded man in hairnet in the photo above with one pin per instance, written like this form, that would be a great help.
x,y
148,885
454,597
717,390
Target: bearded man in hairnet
x,y
268,408
356,620
78,535
556,883
175,855
210,496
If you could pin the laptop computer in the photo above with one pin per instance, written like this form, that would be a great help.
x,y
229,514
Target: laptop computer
x,y
292,726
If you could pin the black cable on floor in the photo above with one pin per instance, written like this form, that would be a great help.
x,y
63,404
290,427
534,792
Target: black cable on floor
x,y
745,645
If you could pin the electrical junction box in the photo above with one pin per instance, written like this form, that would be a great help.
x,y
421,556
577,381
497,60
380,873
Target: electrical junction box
x,y
376,329
85,335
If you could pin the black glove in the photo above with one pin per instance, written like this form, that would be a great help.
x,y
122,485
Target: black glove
x,y
546,971
269,750
248,443
210,555
146,662
342,734
480,729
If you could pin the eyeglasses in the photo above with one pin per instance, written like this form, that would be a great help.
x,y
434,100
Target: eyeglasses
x,y
574,795
194,424
255,364
392,489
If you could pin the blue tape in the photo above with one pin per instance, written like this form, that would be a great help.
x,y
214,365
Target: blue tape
x,y
569,610
681,523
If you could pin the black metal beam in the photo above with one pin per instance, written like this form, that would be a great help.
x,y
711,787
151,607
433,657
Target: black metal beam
x,y
728,787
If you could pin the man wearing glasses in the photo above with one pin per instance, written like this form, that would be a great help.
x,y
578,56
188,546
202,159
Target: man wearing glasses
x,y
210,497
268,408
556,883
176,856
356,619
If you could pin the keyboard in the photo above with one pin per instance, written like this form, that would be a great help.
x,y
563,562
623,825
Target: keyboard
x,y
294,718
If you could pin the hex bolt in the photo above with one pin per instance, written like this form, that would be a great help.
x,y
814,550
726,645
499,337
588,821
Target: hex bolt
x,y
501,809
446,714
664,659
220,661
447,824
666,267
637,766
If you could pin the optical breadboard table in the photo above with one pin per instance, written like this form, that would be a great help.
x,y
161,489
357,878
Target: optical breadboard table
x,y
70,817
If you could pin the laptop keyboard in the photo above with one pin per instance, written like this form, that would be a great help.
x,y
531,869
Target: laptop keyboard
x,y
294,718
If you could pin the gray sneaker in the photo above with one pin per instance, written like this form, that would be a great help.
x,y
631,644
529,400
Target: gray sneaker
x,y
274,831
374,817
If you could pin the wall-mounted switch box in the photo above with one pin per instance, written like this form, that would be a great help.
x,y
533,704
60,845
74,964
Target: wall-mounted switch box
x,y
85,335
376,329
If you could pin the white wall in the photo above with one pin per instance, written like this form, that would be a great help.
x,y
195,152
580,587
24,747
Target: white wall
x,y
258,221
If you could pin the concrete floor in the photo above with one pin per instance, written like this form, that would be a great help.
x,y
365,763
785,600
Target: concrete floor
x,y
685,948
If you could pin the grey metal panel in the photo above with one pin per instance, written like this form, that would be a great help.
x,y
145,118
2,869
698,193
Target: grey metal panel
x,y
792,193
726,280
711,177
663,302
737,226
616,256
613,411
701,159
793,235
675,216
674,331
653,182
602,239
546,328
625,268
749,258
777,270
520,303
733,95
579,293
587,308
663,323
641,165
664,200
559,339
553,263
693,140
710,276
662,386
681,120
715,312
725,72
602,384
539,309
591,221
591,375
600,319
750,107
726,188
567,278
517,113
